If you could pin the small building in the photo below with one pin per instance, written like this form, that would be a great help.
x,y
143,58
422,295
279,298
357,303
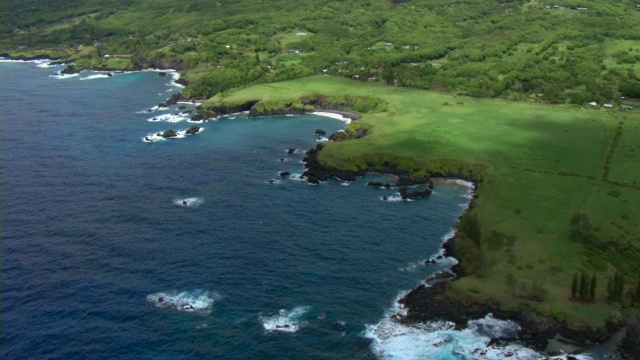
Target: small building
x,y
301,34
626,107
608,105
593,103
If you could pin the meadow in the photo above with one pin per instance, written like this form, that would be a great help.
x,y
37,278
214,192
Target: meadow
x,y
541,164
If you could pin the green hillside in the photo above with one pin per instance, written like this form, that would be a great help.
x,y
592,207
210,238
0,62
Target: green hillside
x,y
564,51
541,166
509,86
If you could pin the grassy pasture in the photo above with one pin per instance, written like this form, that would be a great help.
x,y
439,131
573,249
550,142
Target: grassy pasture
x,y
543,164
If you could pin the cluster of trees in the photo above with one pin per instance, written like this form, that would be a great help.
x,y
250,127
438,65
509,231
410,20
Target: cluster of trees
x,y
615,287
583,289
482,48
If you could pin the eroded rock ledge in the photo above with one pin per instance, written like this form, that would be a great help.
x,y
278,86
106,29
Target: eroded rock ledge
x,y
348,106
431,302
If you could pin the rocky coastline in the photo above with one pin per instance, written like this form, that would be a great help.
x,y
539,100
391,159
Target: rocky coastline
x,y
431,301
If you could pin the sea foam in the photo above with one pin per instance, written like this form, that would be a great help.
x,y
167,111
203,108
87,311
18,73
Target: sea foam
x,y
95,76
64,76
440,340
195,301
286,320
189,202
170,118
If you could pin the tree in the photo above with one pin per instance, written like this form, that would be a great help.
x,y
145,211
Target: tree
x,y
592,289
511,283
574,286
389,75
618,286
584,287
610,289
581,229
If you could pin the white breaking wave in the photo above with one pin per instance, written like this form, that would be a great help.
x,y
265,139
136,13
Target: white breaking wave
x,y
286,320
96,76
189,202
332,115
461,182
390,198
153,108
196,301
170,118
174,77
200,121
322,139
44,64
64,76
180,134
38,62
440,340
154,137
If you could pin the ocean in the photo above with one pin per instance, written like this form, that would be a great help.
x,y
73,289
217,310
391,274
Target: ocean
x,y
117,244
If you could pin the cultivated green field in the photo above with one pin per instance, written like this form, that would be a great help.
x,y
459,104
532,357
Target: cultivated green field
x,y
542,165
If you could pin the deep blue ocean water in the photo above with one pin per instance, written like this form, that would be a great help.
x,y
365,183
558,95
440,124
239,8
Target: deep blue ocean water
x,y
94,234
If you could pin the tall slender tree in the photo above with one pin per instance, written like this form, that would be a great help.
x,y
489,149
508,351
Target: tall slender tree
x,y
592,288
610,289
511,283
574,286
584,287
618,286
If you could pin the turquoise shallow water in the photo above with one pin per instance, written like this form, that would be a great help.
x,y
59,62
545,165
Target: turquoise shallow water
x,y
101,259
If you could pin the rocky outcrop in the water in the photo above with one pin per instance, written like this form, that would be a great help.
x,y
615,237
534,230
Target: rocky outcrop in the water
x,y
169,134
320,132
70,69
416,194
192,130
379,184
171,101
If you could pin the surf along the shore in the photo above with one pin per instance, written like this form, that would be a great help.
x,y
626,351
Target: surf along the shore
x,y
365,168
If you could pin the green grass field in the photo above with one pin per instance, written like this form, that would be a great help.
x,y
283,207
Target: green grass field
x,y
544,163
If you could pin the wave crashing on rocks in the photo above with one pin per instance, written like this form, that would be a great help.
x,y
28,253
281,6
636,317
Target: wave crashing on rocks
x,y
286,320
195,301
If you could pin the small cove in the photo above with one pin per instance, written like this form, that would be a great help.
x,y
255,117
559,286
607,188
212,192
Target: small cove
x,y
95,231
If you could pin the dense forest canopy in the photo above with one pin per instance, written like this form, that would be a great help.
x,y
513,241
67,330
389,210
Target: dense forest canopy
x,y
565,51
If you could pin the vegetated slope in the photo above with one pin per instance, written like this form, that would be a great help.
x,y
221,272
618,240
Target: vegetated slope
x,y
564,51
543,167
